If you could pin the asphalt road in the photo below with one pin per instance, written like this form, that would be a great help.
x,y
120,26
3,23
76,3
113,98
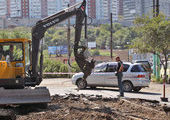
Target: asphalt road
x,y
62,86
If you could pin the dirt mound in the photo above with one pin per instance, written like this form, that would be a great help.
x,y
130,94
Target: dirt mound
x,y
81,107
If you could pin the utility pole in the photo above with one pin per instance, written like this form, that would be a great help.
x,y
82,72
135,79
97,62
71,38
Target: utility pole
x,y
68,40
111,42
156,58
153,8
157,8
85,29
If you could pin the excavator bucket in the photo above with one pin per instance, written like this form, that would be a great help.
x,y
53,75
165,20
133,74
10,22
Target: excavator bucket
x,y
24,96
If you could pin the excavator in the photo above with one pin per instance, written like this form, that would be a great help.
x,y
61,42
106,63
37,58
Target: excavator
x,y
19,59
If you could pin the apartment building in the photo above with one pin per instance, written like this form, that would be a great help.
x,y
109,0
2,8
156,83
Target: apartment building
x,y
44,11
35,8
135,8
15,9
114,9
25,8
3,8
120,7
99,10
91,8
102,9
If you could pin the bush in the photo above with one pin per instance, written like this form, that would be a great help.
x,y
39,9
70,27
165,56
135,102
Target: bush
x,y
75,67
64,69
96,52
153,78
51,66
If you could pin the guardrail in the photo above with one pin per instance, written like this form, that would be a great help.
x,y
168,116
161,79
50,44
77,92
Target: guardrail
x,y
57,73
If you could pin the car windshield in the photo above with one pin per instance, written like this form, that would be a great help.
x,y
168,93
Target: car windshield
x,y
100,68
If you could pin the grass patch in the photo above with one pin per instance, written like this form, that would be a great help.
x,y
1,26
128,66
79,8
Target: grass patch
x,y
154,79
102,52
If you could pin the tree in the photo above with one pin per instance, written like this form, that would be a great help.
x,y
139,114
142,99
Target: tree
x,y
154,37
3,35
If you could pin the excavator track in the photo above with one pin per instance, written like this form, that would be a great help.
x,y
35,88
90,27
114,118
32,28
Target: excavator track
x,y
24,96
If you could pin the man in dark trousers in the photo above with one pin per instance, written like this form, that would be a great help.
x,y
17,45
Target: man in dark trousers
x,y
119,75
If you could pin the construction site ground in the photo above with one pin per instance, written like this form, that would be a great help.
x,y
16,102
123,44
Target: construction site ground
x,y
101,104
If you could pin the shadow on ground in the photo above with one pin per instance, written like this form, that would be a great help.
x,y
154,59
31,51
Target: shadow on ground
x,y
116,90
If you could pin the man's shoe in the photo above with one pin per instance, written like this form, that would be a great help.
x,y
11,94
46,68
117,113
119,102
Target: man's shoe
x,y
120,96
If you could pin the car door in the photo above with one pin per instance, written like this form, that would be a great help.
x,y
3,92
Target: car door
x,y
110,78
97,76
137,73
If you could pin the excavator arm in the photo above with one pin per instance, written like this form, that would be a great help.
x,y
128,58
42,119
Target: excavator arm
x,y
41,27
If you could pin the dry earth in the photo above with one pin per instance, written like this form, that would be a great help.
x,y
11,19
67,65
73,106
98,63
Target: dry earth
x,y
81,107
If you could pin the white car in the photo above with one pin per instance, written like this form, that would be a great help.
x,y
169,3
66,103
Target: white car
x,y
135,77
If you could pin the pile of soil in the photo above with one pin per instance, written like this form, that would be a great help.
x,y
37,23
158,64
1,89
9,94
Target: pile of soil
x,y
81,107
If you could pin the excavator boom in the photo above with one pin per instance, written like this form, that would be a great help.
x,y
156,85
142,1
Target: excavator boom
x,y
41,27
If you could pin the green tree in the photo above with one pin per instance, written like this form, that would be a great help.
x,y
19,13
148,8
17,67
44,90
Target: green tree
x,y
154,37
4,35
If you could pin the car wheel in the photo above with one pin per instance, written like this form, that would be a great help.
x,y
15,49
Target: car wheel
x,y
137,89
127,86
93,87
81,84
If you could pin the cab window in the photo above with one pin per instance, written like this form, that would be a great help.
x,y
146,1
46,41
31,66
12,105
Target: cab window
x,y
12,51
27,54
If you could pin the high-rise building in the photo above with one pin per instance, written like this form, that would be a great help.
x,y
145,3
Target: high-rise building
x,y
72,2
91,8
129,10
120,8
35,8
164,7
135,8
3,8
25,8
51,7
114,9
44,8
102,9
15,8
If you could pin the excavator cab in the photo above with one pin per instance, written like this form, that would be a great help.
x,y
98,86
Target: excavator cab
x,y
14,62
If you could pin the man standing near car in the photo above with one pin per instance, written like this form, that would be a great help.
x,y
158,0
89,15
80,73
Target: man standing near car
x,y
119,75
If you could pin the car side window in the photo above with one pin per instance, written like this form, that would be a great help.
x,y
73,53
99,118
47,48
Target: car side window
x,y
138,68
125,67
111,68
135,69
100,68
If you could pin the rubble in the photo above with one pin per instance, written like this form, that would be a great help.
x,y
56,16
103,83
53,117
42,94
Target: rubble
x,y
81,107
